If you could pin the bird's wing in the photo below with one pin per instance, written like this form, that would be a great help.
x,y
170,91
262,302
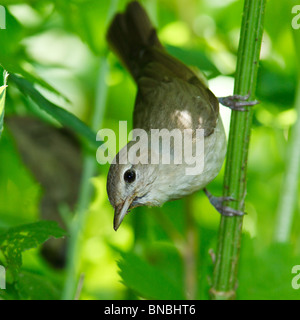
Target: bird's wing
x,y
171,96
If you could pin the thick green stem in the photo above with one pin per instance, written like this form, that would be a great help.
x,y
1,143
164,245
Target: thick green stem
x,y
227,255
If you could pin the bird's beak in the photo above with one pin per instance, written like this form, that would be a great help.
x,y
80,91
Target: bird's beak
x,y
121,211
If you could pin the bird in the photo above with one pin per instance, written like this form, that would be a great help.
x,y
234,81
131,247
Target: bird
x,y
169,96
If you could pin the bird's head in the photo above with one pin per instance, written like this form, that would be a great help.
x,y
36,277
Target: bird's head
x,y
130,186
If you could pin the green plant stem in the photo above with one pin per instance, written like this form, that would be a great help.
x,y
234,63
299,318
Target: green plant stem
x,y
3,81
230,230
76,227
89,169
85,195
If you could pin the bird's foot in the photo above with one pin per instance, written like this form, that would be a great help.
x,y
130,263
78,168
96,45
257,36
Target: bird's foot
x,y
217,202
237,102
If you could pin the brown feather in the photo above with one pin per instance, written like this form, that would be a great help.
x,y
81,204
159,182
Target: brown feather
x,y
166,86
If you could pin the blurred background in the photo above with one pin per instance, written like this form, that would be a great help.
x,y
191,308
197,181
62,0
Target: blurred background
x,y
47,171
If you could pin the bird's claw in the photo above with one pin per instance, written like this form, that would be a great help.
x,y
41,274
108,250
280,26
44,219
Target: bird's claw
x,y
237,102
229,212
217,203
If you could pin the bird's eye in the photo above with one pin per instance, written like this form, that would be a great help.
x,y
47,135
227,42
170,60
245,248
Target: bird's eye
x,y
129,176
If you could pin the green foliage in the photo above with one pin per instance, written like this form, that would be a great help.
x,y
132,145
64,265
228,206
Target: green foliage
x,y
13,55
195,58
19,239
54,51
19,193
267,275
276,86
64,117
16,240
148,281
30,286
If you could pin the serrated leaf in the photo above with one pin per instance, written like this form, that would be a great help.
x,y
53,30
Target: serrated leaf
x,y
146,280
66,118
18,239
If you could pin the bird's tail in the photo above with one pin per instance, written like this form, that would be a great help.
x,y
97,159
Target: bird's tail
x,y
130,34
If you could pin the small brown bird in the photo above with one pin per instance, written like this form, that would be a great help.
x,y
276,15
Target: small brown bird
x,y
170,96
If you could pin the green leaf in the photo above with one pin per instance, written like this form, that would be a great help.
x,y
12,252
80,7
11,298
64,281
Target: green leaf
x,y
31,286
33,77
275,85
66,118
267,275
18,239
195,58
14,56
147,280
